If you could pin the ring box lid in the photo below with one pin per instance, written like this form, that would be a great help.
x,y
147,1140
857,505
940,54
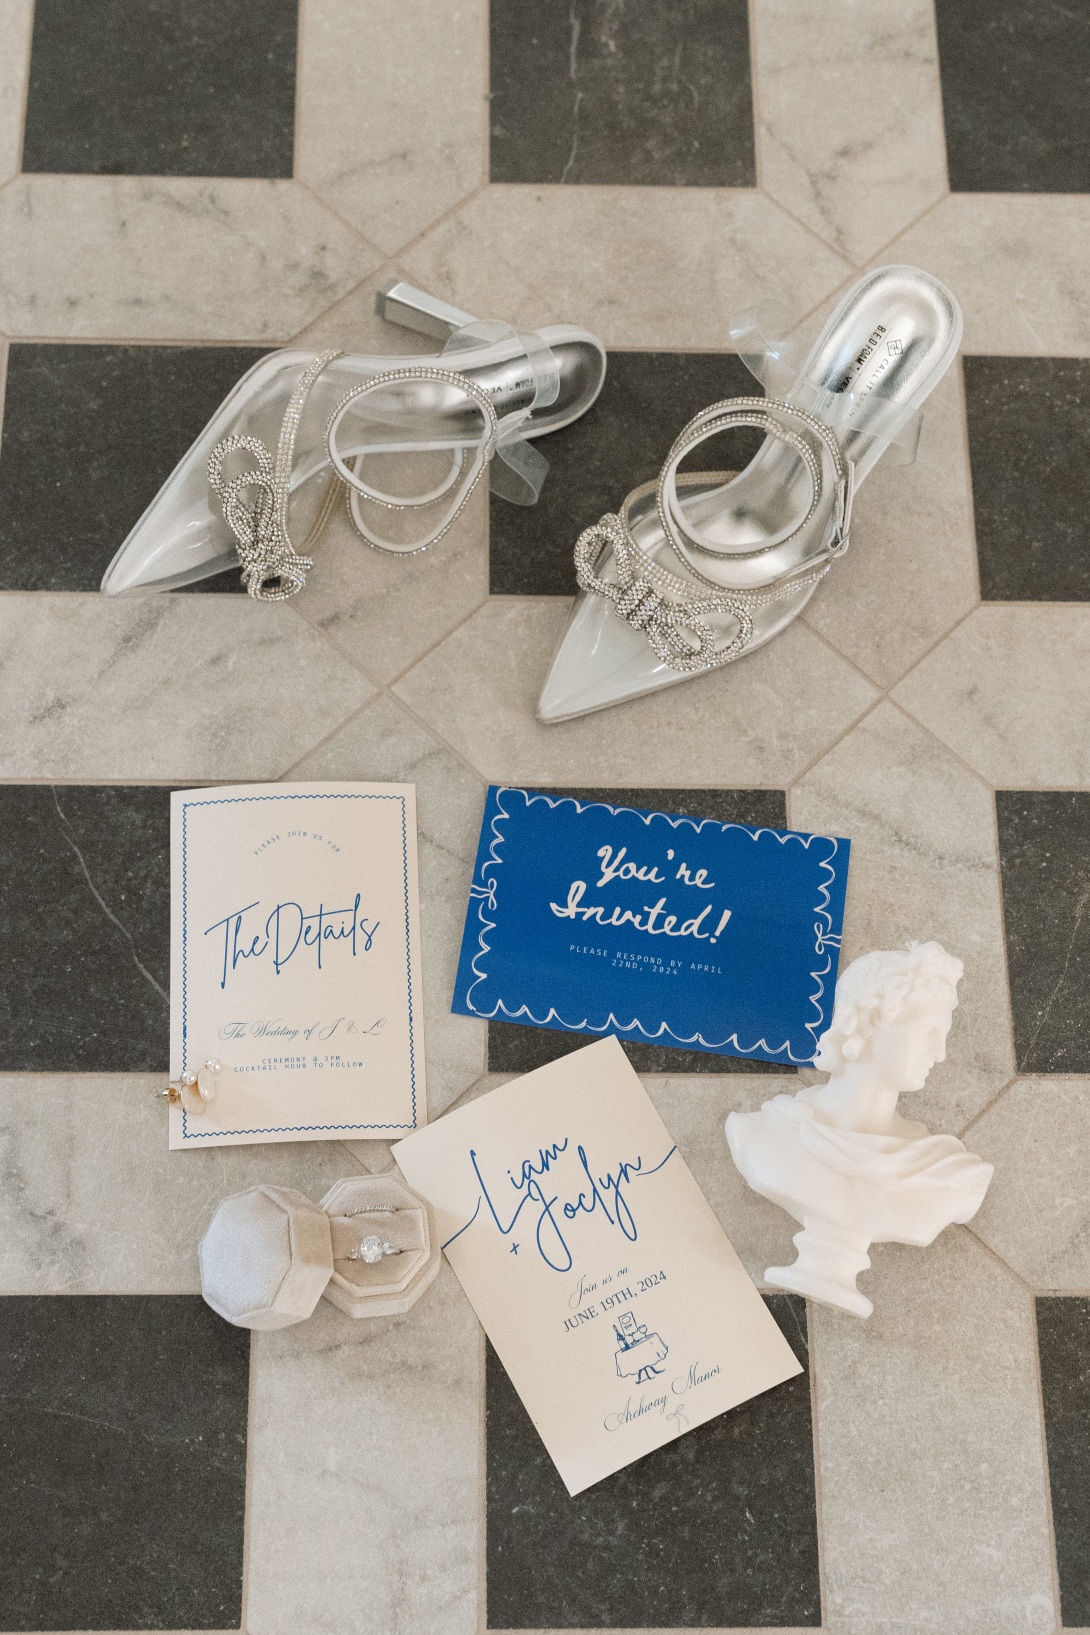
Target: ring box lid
x,y
266,1257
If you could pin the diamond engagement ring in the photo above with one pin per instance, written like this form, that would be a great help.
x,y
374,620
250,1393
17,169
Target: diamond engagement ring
x,y
371,1250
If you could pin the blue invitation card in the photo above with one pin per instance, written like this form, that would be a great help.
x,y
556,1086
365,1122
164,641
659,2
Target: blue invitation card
x,y
675,930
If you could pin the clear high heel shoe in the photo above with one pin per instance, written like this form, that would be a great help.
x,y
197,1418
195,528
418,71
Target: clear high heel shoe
x,y
673,586
294,419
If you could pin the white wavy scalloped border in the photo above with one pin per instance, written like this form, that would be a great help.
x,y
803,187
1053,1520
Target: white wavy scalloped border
x,y
485,895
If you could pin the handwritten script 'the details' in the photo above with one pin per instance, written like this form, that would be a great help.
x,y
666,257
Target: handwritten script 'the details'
x,y
655,920
289,928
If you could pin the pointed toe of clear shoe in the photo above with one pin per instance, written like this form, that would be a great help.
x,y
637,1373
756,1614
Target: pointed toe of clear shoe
x,y
700,569
489,392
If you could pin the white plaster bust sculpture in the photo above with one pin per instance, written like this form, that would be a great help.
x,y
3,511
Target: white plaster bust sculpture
x,y
838,1157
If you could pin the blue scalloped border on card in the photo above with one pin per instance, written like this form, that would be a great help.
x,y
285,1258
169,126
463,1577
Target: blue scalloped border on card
x,y
681,931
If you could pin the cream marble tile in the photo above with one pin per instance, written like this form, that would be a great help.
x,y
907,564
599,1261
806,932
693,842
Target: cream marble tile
x,y
923,866
694,1110
392,126
15,21
173,687
849,116
1016,262
911,572
353,325
757,722
641,266
931,1460
1036,1215
364,1453
385,744
1009,690
385,611
92,1202
170,258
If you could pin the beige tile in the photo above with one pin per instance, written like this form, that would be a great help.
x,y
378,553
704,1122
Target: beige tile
x,y
385,744
911,572
849,116
170,257
931,1460
932,1417
172,687
694,1111
353,325
641,266
15,21
1036,1215
1016,262
757,722
923,865
92,1201
362,1514
1009,690
393,121
384,611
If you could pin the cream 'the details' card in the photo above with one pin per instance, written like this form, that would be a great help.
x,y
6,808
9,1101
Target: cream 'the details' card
x,y
597,1267
295,962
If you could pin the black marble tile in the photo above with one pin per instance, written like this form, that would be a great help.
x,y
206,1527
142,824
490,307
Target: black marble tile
x,y
162,87
715,1530
1044,858
619,443
1029,428
90,434
515,1048
123,1425
84,929
642,95
1063,1342
1014,82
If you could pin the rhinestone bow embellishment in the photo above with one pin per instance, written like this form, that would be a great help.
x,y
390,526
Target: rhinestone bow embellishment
x,y
261,530
638,600
264,548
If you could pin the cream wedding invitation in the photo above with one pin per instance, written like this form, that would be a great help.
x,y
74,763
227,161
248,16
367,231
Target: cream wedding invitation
x,y
295,961
594,1262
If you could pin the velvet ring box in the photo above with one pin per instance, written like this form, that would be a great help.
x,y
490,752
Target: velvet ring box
x,y
270,1254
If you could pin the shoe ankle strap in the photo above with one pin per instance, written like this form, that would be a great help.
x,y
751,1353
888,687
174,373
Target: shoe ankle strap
x,y
788,425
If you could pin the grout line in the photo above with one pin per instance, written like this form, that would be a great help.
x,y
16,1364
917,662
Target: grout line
x,y
344,221
482,1484
1003,930
998,1258
812,1359
322,742
379,272
938,80
472,614
297,112
988,1105
1044,1454
26,91
828,750
907,228
755,98
485,14
248,1511
440,221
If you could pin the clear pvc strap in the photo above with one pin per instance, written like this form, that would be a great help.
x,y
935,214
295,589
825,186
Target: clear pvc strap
x,y
520,469
762,337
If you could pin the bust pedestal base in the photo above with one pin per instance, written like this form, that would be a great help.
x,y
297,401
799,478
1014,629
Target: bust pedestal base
x,y
829,1262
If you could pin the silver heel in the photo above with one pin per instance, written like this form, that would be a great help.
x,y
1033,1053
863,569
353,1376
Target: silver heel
x,y
400,303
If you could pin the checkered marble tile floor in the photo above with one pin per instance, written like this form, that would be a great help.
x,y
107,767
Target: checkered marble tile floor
x,y
185,185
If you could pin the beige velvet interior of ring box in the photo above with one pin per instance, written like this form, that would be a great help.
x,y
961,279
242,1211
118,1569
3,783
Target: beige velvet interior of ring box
x,y
379,1206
